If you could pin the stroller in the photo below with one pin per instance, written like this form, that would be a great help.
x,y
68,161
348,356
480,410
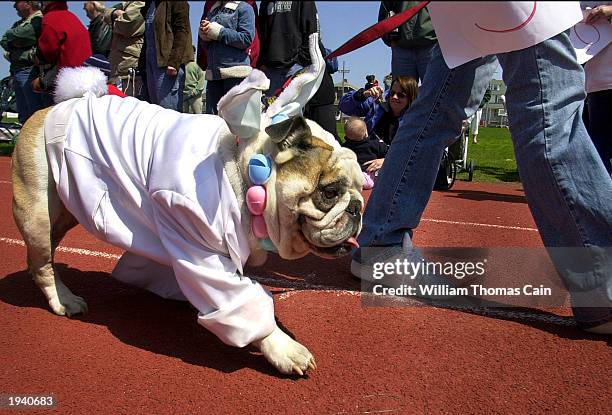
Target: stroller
x,y
8,104
454,160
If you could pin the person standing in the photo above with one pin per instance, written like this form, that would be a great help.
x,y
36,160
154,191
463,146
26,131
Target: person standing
x,y
100,32
19,42
411,43
167,48
194,87
284,29
567,187
475,120
126,45
226,31
63,42
598,75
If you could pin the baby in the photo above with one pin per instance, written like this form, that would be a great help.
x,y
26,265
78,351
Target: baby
x,y
370,151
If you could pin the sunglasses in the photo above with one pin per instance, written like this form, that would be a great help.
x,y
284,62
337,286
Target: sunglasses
x,y
399,95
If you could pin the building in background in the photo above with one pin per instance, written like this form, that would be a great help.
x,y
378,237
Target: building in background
x,y
494,112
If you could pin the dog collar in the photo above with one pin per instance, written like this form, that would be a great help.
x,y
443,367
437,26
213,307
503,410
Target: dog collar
x,y
260,170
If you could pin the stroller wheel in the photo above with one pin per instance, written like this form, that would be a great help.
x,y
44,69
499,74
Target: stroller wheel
x,y
470,169
447,172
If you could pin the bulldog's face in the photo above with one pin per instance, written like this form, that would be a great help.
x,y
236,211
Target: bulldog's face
x,y
315,204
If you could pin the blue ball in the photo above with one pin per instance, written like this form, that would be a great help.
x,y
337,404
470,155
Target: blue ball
x,y
260,169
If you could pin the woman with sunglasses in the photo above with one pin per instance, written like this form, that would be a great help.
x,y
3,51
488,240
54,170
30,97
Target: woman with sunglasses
x,y
381,116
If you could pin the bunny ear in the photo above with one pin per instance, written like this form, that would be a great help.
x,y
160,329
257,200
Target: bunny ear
x,y
301,89
241,106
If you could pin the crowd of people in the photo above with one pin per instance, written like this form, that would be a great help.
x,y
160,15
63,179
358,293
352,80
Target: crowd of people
x,y
398,131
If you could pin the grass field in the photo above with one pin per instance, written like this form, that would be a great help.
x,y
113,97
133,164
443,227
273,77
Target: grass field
x,y
493,156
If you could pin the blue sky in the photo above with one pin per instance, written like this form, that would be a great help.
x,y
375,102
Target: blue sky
x,y
340,20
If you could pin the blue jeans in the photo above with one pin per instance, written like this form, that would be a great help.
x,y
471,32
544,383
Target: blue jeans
x,y
600,113
215,91
164,90
567,188
28,101
411,62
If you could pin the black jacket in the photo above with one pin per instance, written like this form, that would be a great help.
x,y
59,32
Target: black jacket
x,y
366,150
100,35
284,27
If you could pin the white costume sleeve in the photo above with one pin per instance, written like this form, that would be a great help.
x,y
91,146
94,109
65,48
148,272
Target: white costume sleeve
x,y
234,308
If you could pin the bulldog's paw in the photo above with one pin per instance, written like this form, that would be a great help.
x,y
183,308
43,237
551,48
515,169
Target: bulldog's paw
x,y
287,355
63,302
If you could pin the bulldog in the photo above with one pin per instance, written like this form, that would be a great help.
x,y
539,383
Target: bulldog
x,y
175,191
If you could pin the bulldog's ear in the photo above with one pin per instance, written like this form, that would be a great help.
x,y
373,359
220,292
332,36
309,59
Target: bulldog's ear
x,y
241,106
292,136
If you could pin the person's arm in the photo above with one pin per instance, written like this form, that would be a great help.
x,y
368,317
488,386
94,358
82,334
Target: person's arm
x,y
128,22
49,43
308,24
357,103
240,38
23,36
599,12
181,32
383,13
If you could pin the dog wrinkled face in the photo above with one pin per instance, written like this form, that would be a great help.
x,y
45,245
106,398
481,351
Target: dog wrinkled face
x,y
317,191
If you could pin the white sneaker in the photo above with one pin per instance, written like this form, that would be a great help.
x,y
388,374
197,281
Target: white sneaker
x,y
365,271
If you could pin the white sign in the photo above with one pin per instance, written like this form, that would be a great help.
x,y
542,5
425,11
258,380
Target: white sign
x,y
590,38
468,30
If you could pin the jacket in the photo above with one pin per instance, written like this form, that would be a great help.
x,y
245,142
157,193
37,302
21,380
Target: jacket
x,y
253,50
100,34
378,117
172,34
284,28
162,194
63,41
417,31
367,150
128,37
194,82
227,51
19,42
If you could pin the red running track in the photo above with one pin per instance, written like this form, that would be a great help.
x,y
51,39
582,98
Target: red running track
x,y
135,353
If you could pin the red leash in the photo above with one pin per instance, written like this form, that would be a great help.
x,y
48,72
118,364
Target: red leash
x,y
376,31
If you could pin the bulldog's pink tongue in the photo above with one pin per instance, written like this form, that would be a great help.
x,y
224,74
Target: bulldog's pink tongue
x,y
352,242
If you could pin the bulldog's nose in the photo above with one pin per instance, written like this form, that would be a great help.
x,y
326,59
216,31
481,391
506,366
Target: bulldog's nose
x,y
354,208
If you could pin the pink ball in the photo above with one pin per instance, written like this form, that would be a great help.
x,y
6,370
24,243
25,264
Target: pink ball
x,y
258,226
256,199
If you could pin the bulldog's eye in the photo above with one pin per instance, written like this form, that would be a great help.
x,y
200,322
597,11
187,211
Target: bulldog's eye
x,y
330,192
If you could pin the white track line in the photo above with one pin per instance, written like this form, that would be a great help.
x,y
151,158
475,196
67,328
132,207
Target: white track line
x,y
486,225
5,182
77,251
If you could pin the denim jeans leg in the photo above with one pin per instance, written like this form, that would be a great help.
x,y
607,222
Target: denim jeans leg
x,y
423,57
600,113
566,185
403,62
153,75
406,180
170,92
21,85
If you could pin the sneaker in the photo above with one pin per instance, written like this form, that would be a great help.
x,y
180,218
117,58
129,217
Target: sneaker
x,y
363,268
605,328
